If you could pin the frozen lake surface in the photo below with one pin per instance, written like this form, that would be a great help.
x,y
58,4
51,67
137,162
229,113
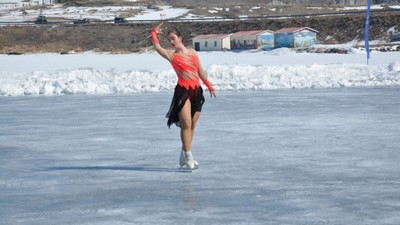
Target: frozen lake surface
x,y
295,156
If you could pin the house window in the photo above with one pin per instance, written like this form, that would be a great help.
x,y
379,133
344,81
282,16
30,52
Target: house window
x,y
215,43
206,44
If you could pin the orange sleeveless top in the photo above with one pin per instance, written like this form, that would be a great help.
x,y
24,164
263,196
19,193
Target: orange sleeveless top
x,y
187,70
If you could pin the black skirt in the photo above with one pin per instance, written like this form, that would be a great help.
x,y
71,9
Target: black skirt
x,y
181,94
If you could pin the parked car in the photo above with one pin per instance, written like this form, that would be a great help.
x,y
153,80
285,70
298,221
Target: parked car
x,y
82,21
41,20
120,20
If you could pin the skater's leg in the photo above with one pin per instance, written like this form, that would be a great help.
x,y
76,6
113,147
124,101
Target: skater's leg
x,y
192,128
187,132
194,121
185,119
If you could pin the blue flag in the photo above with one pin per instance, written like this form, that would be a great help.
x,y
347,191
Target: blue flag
x,y
366,31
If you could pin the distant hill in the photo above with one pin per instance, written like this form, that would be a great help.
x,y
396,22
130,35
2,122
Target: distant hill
x,y
343,2
283,2
124,38
236,8
221,3
120,38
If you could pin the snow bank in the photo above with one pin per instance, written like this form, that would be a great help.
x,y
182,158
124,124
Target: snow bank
x,y
224,77
93,73
303,76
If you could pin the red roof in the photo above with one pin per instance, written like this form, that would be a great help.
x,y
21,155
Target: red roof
x,y
212,36
252,32
295,29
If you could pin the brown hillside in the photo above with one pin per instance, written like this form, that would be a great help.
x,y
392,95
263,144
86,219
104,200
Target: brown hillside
x,y
123,38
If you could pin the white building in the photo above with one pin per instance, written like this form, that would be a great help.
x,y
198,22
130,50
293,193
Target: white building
x,y
212,42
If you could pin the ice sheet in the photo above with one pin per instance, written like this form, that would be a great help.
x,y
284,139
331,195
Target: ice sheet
x,y
302,156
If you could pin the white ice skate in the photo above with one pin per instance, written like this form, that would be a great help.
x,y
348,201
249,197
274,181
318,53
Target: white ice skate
x,y
186,159
182,159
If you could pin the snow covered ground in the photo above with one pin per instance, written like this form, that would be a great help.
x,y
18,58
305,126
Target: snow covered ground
x,y
291,156
18,10
21,10
292,138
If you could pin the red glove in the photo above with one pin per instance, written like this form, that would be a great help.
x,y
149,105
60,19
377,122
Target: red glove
x,y
209,86
154,37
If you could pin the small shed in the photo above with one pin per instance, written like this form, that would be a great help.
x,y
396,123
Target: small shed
x,y
212,42
295,37
253,39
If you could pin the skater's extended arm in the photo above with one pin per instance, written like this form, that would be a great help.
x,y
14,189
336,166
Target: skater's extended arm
x,y
204,78
168,55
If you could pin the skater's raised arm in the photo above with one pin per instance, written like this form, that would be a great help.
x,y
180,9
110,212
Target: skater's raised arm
x,y
168,55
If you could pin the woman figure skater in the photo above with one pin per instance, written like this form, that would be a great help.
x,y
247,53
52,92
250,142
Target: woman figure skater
x,y
188,96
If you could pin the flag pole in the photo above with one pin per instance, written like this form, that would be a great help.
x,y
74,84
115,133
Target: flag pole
x,y
366,31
